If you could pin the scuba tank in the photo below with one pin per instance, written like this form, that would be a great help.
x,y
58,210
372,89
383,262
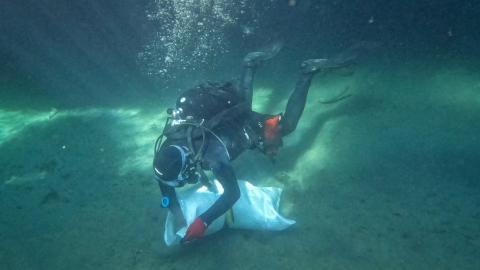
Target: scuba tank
x,y
207,100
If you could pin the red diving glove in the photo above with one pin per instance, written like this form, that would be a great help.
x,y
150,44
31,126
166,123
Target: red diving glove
x,y
195,230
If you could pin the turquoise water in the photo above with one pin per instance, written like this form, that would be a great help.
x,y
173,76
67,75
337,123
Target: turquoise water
x,y
385,179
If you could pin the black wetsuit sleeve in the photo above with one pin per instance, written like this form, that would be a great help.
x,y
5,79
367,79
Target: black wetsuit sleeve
x,y
231,192
169,192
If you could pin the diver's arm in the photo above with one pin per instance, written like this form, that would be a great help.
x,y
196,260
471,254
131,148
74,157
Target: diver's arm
x,y
217,160
231,193
169,192
174,207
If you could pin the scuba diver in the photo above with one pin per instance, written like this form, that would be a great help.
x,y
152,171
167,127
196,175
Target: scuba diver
x,y
213,124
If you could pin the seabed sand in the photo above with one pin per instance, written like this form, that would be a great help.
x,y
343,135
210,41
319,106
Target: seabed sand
x,y
385,179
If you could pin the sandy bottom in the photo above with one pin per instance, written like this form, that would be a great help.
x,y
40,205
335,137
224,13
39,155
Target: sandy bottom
x,y
385,179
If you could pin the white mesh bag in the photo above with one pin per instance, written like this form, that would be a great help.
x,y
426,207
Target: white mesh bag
x,y
257,209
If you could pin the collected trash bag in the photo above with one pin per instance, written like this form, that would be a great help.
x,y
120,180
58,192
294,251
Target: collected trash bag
x,y
257,209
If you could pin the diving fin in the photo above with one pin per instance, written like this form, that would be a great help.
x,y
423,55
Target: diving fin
x,y
351,54
342,60
266,52
271,48
315,65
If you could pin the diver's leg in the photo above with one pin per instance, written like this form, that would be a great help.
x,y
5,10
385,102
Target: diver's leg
x,y
308,68
298,99
246,85
251,62
296,104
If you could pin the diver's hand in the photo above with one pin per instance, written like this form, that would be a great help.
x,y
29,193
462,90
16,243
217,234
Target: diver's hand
x,y
194,231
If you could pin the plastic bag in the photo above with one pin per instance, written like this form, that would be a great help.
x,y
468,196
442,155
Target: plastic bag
x,y
257,209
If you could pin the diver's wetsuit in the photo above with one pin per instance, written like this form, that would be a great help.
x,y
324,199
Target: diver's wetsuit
x,y
231,130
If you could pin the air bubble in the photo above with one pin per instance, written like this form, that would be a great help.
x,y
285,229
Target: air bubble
x,y
179,43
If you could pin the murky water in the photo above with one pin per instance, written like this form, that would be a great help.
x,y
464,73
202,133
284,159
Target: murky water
x,y
384,179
